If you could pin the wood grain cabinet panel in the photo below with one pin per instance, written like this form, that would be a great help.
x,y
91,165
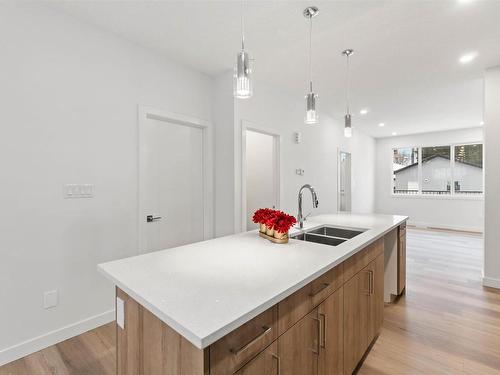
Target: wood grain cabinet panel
x,y
331,354
356,306
376,307
360,260
299,347
238,347
300,303
266,363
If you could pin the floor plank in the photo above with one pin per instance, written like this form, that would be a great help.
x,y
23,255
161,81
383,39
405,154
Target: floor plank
x,y
447,323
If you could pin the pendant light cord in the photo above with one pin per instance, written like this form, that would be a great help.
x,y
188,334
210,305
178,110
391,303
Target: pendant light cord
x,y
242,25
348,84
310,54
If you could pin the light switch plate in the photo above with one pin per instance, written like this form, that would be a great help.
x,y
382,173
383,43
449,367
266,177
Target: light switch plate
x,y
78,191
120,312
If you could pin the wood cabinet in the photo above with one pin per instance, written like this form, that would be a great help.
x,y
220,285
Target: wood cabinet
x,y
266,363
324,328
401,258
363,311
299,346
331,347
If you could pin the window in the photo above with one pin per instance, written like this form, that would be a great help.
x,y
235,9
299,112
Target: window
x,y
438,170
405,170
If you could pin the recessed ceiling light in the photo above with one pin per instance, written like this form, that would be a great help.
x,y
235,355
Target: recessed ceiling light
x,y
481,123
394,133
381,124
468,57
364,111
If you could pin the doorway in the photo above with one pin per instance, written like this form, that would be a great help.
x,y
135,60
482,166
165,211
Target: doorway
x,y
260,172
172,181
344,181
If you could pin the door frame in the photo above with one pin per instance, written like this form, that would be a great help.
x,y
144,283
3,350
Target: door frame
x,y
146,113
276,164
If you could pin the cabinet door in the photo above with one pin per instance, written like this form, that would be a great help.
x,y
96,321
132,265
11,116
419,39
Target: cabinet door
x,y
299,347
266,363
376,290
401,261
331,353
356,307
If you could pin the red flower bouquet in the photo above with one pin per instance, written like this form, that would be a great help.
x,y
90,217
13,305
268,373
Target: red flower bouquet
x,y
282,224
274,223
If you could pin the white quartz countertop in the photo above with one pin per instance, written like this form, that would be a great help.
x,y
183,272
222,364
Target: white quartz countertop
x,y
207,289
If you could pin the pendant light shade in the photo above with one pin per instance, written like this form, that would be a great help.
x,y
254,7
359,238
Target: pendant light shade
x,y
311,114
347,126
242,82
243,76
347,118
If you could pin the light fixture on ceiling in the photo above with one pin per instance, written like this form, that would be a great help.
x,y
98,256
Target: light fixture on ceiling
x,y
467,58
394,133
381,124
363,112
481,123
311,114
347,118
243,86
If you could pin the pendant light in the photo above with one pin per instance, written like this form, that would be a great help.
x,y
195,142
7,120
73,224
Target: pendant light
x,y
242,71
311,114
347,118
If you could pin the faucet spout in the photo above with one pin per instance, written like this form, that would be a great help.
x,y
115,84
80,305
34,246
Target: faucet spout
x,y
300,217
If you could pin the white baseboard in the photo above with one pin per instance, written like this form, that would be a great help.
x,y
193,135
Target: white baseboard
x,y
424,225
38,343
491,282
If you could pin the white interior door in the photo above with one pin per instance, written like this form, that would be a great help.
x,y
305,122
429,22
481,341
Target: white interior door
x,y
171,184
262,176
344,183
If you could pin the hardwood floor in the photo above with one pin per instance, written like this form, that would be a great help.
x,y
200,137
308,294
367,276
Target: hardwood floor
x,y
447,323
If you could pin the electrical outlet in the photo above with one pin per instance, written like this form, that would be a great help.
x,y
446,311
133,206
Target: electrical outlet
x,y
78,191
50,299
300,171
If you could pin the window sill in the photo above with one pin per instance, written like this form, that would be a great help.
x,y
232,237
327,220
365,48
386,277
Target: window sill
x,y
478,197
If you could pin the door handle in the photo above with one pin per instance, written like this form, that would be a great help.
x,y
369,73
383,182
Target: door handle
x,y
278,363
318,338
323,318
372,279
151,218
265,330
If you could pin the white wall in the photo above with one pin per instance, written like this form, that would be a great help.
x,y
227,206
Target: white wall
x,y
271,109
69,97
455,213
492,178
260,174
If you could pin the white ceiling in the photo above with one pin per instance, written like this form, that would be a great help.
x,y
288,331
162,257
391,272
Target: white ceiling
x,y
405,68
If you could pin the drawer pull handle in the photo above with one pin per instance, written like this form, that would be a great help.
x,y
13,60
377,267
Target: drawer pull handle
x,y
265,330
323,287
278,363
323,318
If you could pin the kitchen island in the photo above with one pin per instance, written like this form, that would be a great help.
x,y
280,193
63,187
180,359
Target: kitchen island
x,y
241,304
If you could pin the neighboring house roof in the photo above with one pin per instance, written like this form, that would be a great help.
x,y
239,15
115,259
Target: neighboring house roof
x,y
437,156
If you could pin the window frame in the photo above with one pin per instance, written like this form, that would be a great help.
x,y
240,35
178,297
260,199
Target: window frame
x,y
419,194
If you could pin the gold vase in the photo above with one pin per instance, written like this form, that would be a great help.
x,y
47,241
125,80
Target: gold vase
x,y
269,231
280,235
262,228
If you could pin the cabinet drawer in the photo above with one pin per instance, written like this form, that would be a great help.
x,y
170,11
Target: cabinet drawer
x,y
360,260
303,301
238,347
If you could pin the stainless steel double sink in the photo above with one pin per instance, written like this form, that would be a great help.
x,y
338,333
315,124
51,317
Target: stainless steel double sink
x,y
328,235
